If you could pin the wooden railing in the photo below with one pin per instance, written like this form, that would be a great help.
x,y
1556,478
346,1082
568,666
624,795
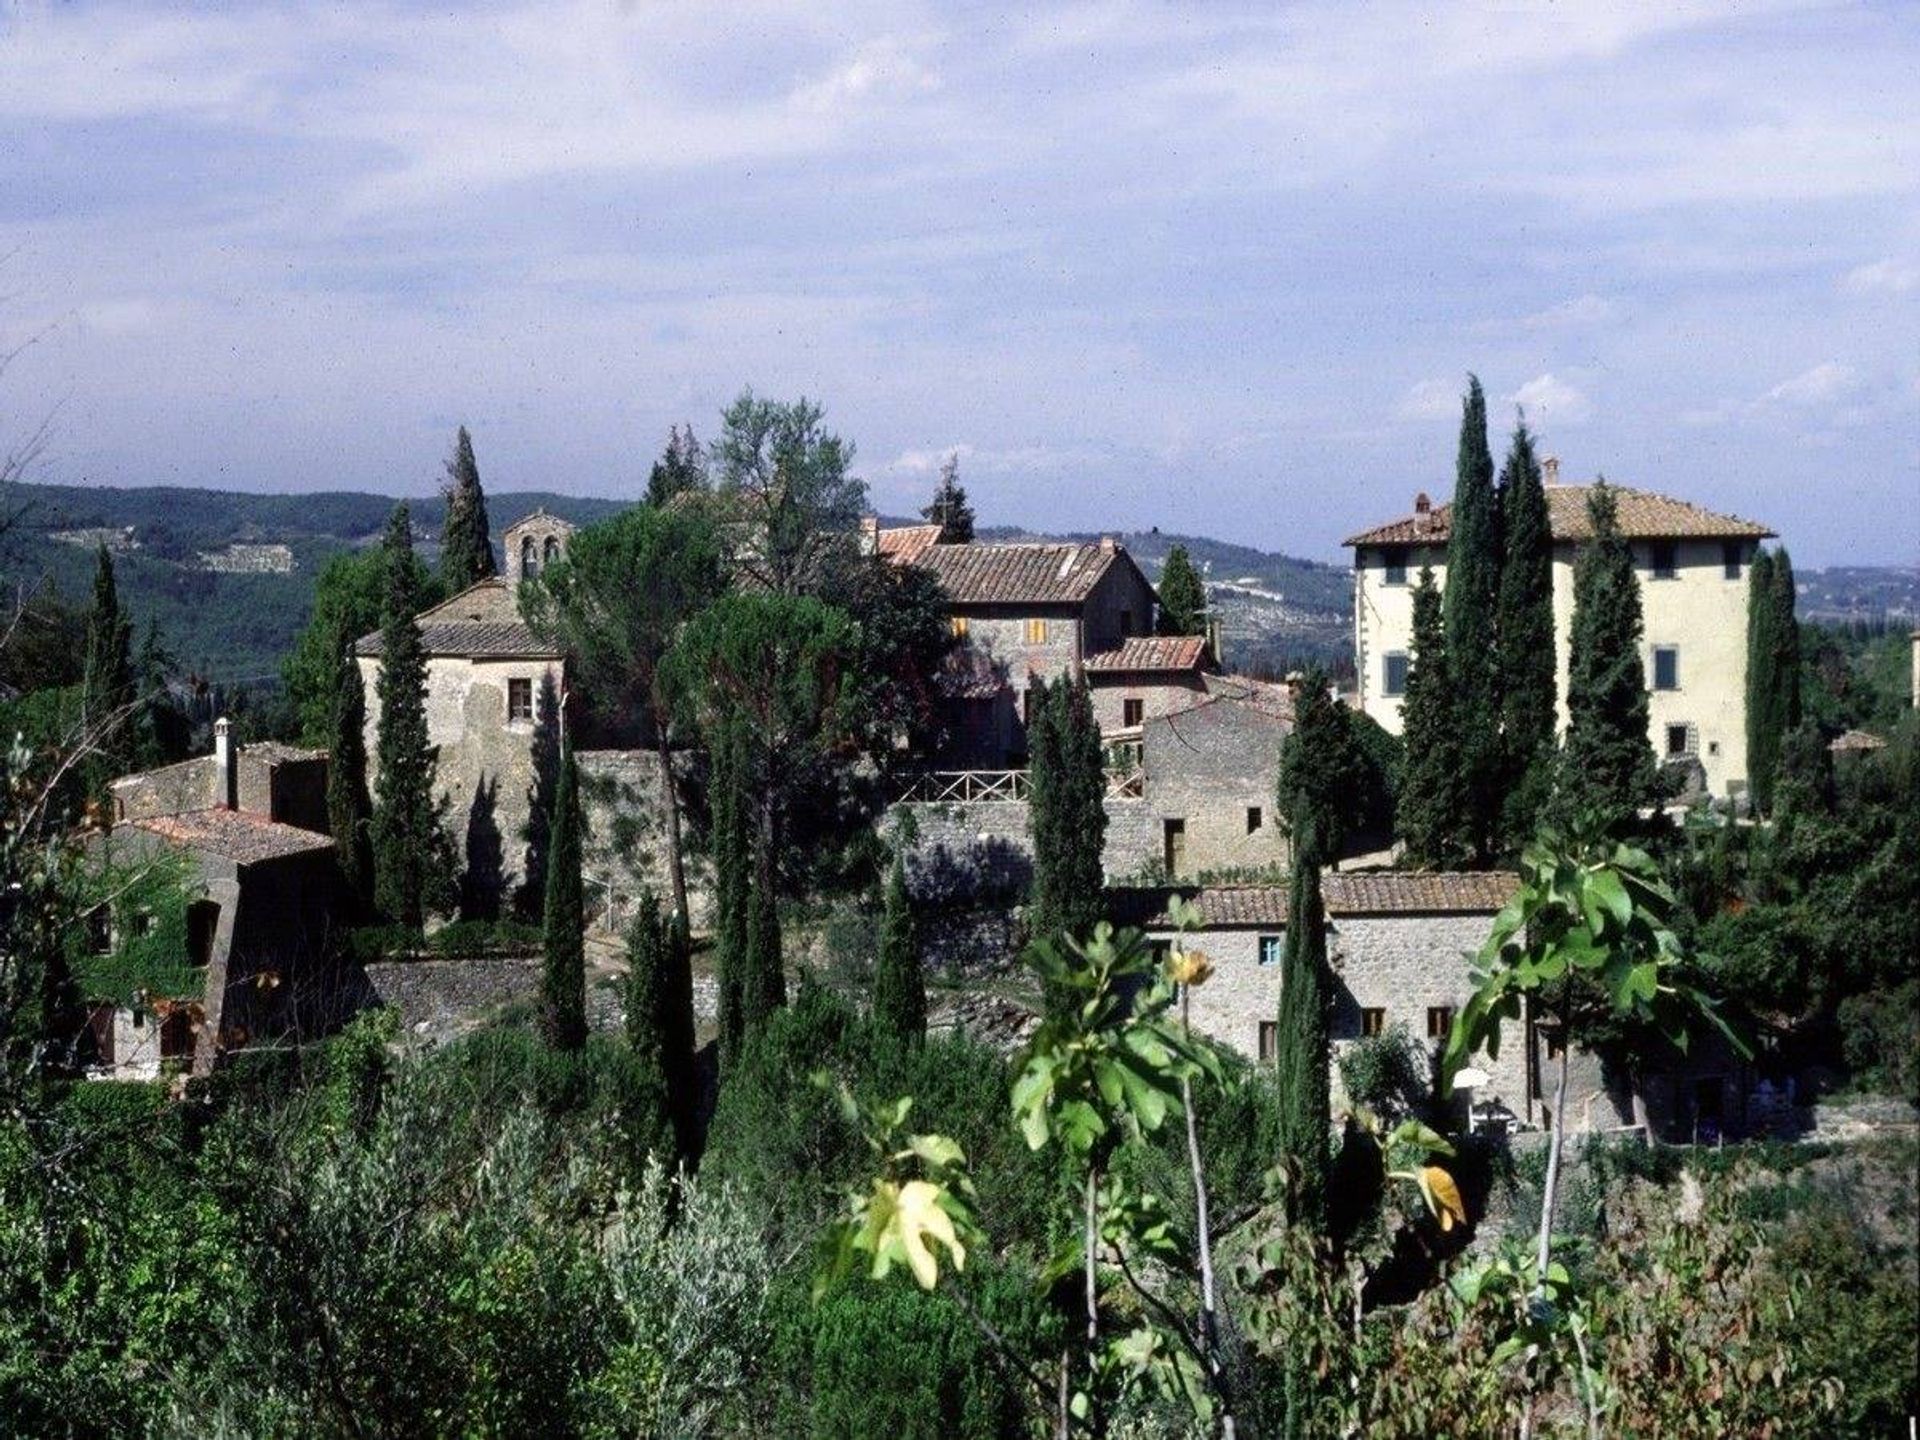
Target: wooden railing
x,y
964,787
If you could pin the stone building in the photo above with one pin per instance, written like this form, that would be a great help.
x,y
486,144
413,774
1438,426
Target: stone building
x,y
1692,565
1032,612
249,823
494,691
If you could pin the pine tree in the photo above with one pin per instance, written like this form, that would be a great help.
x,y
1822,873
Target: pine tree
x,y
1305,1119
406,838
466,546
1431,817
1607,768
1183,599
347,804
899,987
1526,644
1471,606
1763,685
1067,810
649,988
680,468
107,689
949,509
563,979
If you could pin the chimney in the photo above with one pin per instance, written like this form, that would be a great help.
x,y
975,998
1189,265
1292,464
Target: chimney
x,y
869,534
1550,467
226,771
1422,513
1106,543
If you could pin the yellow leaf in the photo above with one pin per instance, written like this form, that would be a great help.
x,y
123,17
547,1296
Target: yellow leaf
x,y
1443,1195
919,1217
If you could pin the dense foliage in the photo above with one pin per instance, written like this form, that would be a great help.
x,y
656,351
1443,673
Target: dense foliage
x,y
1431,818
1183,599
1069,816
1527,684
949,508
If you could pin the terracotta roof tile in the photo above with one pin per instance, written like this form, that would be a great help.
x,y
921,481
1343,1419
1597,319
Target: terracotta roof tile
x,y
1046,574
235,834
905,544
1644,515
482,621
1392,892
1151,652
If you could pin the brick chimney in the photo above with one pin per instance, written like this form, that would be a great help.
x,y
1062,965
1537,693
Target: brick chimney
x,y
1106,543
225,766
1550,468
1422,513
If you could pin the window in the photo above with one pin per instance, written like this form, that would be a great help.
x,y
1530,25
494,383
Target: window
x,y
958,625
1678,742
100,930
1373,1020
552,550
1036,632
1395,570
1174,843
1272,949
139,1019
529,559
1255,819
1439,1021
1132,711
1733,556
1269,1040
1661,552
1394,676
1666,667
519,700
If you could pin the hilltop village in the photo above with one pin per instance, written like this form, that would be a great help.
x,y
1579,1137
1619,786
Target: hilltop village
x,y
1190,759
661,973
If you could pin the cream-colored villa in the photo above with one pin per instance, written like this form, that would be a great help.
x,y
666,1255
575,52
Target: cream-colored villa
x,y
1693,589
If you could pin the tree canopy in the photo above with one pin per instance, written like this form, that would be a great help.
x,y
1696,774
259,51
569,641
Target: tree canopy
x,y
786,475
949,509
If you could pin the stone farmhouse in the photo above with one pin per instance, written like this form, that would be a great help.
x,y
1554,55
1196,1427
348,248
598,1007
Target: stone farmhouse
x,y
494,690
1692,565
251,824
1398,943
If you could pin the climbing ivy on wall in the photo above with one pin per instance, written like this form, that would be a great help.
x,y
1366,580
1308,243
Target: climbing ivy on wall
x,y
148,901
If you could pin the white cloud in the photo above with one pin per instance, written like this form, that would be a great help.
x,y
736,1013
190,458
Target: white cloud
x,y
1431,400
1821,385
1549,400
1894,277
927,462
882,70
1582,311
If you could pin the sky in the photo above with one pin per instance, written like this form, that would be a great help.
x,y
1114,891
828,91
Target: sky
x,y
1214,268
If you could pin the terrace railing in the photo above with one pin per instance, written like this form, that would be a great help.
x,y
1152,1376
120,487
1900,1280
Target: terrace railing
x,y
964,787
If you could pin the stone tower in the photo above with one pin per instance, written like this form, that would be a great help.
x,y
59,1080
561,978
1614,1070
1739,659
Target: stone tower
x,y
533,543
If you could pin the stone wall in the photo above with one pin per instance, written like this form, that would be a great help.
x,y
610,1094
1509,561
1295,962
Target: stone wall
x,y
626,849
446,994
969,852
1214,768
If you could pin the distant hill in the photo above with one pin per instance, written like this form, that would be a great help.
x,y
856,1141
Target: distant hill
x,y
229,575
207,564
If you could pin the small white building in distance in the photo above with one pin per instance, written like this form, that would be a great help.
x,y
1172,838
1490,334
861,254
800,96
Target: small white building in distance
x,y
1692,565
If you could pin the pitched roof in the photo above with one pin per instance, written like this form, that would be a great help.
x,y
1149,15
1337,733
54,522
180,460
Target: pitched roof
x,y
1043,573
1151,652
905,544
234,834
1644,515
1389,892
1856,740
482,622
543,519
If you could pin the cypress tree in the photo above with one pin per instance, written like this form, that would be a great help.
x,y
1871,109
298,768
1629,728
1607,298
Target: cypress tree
x,y
899,988
405,822
1068,811
681,467
1526,653
563,979
1322,769
679,1044
763,982
1431,817
347,804
1183,599
1607,767
466,546
1471,606
732,886
1763,684
1786,640
949,509
649,987
107,687
1305,1119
